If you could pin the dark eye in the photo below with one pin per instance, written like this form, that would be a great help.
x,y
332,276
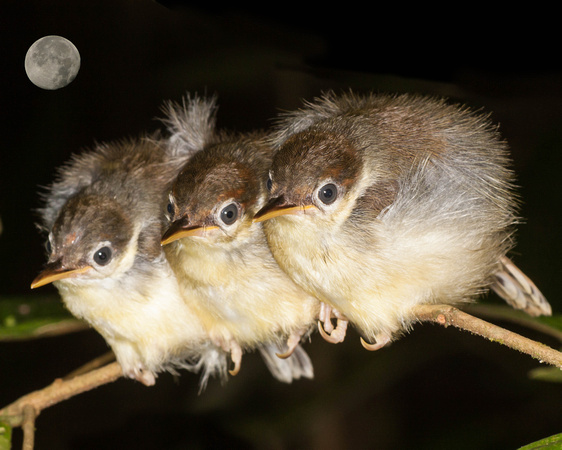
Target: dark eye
x,y
328,193
229,214
269,184
102,256
170,208
48,247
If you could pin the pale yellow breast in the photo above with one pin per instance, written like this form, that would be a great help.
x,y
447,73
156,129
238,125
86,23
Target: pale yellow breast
x,y
242,293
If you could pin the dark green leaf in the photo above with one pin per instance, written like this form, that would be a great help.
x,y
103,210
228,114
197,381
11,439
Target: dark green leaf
x,y
5,436
32,317
551,374
549,443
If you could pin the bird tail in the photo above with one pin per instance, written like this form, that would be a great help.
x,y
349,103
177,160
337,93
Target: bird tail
x,y
519,291
213,362
286,370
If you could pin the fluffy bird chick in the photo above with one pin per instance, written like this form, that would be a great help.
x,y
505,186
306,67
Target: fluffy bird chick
x,y
381,203
104,220
221,257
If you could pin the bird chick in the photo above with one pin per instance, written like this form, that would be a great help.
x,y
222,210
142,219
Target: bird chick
x,y
104,222
379,203
221,257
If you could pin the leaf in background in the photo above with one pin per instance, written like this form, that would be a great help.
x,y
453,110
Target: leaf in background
x,y
550,374
35,317
549,443
552,321
5,436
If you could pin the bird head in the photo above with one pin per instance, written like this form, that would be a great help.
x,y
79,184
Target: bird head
x,y
91,239
215,195
314,172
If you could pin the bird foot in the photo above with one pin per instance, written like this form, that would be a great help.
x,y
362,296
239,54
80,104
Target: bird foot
x,y
326,328
143,375
292,342
337,335
381,341
236,356
229,345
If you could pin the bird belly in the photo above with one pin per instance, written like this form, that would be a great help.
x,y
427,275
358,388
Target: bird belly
x,y
245,297
150,328
377,283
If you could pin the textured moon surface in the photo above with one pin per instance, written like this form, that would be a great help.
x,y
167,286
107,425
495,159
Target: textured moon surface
x,y
52,62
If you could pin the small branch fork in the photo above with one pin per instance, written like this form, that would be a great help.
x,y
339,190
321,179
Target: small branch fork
x,y
23,412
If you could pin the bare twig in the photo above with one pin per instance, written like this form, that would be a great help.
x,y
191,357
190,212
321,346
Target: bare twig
x,y
507,314
446,315
59,391
96,363
28,427
23,411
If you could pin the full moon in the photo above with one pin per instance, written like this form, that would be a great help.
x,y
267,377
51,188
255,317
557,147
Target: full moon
x,y
52,62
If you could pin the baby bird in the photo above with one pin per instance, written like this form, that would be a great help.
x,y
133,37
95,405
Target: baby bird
x,y
379,203
104,219
222,258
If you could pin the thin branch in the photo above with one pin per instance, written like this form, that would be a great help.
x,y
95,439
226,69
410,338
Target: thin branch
x,y
59,391
507,314
28,427
446,315
96,363
24,410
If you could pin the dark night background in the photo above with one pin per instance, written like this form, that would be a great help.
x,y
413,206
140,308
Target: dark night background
x,y
434,389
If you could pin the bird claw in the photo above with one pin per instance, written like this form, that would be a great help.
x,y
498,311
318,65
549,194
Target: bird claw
x,y
338,333
286,354
142,375
382,340
292,343
229,345
236,356
326,328
236,369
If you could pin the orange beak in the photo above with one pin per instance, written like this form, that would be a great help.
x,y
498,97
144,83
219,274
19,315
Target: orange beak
x,y
55,271
278,207
180,229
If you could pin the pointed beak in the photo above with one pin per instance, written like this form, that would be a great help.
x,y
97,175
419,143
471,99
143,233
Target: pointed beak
x,y
56,271
181,228
279,207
